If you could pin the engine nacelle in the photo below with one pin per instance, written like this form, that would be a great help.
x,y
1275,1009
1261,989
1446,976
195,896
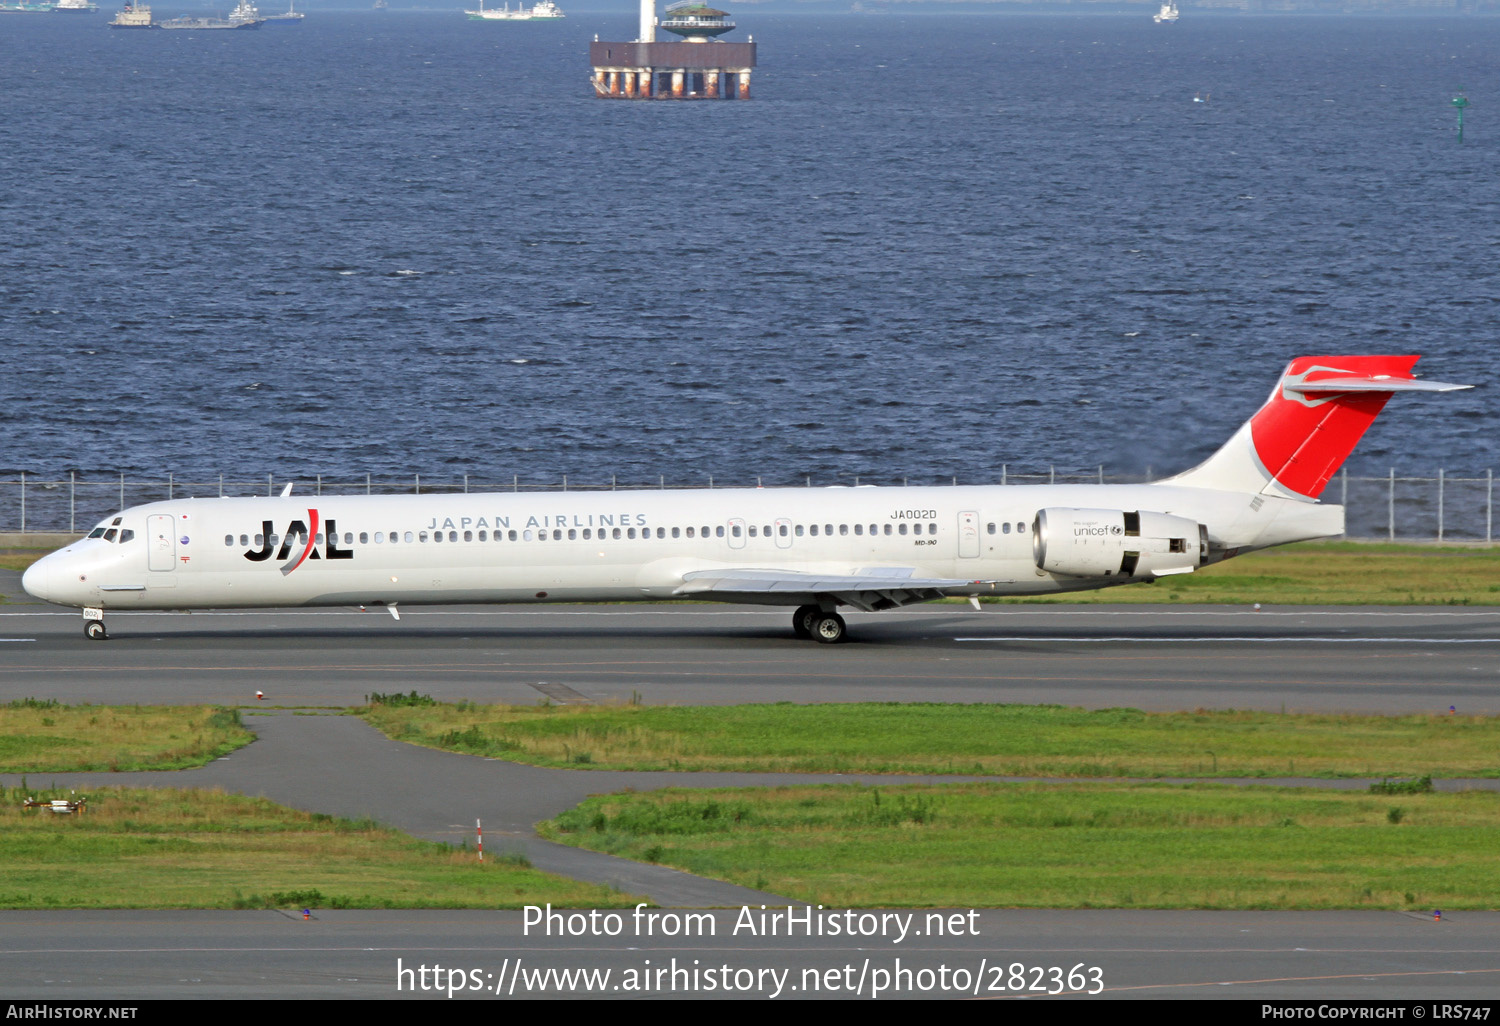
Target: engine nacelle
x,y
1116,543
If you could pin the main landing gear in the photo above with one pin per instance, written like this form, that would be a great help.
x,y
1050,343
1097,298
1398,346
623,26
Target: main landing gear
x,y
814,622
93,625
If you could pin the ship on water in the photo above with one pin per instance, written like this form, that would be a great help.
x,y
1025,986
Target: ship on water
x,y
1168,13
544,10
244,16
291,17
134,16
28,7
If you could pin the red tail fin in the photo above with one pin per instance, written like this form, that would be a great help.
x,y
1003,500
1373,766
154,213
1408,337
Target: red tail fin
x,y
1302,435
1315,416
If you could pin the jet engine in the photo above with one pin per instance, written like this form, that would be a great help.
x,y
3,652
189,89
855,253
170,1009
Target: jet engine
x,y
1117,543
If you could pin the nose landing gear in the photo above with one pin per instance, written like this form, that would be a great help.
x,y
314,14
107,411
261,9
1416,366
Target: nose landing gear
x,y
93,625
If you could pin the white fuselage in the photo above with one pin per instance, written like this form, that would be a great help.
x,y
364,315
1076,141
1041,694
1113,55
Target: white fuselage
x,y
607,546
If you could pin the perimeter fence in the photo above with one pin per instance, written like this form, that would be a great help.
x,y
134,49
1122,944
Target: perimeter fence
x,y
1440,508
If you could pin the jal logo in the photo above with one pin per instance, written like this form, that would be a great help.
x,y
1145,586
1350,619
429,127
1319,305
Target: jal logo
x,y
304,535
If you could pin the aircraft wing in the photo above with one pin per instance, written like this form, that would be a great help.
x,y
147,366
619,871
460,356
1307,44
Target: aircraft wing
x,y
868,589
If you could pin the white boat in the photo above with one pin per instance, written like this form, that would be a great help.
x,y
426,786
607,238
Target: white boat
x,y
1168,12
544,10
292,15
243,12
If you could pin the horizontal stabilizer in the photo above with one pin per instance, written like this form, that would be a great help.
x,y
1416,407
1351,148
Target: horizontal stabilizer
x,y
1339,386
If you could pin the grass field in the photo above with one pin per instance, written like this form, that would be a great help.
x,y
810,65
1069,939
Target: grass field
x,y
1065,846
46,736
993,740
206,849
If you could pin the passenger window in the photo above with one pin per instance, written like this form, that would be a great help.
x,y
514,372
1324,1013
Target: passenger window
x,y
587,533
1005,529
274,540
783,530
512,536
719,532
615,533
422,536
888,530
228,540
630,533
989,528
752,530
705,532
437,536
859,529
408,537
735,530
798,530
843,530
572,534
690,532
813,530
676,532
902,528
661,532
484,536
1021,528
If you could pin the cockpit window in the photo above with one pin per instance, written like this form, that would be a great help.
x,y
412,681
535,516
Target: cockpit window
x,y
109,535
116,522
125,535
97,532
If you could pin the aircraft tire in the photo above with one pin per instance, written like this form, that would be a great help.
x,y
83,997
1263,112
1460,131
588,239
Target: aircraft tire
x,y
803,620
94,630
829,629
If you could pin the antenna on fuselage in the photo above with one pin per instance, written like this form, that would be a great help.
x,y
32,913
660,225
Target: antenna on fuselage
x,y
287,490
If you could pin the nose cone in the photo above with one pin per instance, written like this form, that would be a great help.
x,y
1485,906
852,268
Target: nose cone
x,y
37,580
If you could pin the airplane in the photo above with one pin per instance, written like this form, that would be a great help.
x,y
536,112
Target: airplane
x,y
866,548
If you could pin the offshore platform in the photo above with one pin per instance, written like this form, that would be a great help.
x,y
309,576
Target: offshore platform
x,y
699,66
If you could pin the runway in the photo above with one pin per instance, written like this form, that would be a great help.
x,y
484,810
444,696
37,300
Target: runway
x,y
1387,660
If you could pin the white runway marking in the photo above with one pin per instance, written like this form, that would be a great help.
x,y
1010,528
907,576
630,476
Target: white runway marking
x,y
1259,640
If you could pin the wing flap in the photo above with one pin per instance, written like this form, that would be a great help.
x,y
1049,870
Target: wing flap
x,y
871,589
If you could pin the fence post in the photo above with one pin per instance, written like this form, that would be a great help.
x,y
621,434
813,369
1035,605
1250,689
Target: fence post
x,y
565,482
1004,470
1101,473
23,502
320,484
417,479
466,483
1344,486
1440,504
515,482
72,501
367,484
122,491
221,486
270,486
169,487
1489,502
1052,475
1390,508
